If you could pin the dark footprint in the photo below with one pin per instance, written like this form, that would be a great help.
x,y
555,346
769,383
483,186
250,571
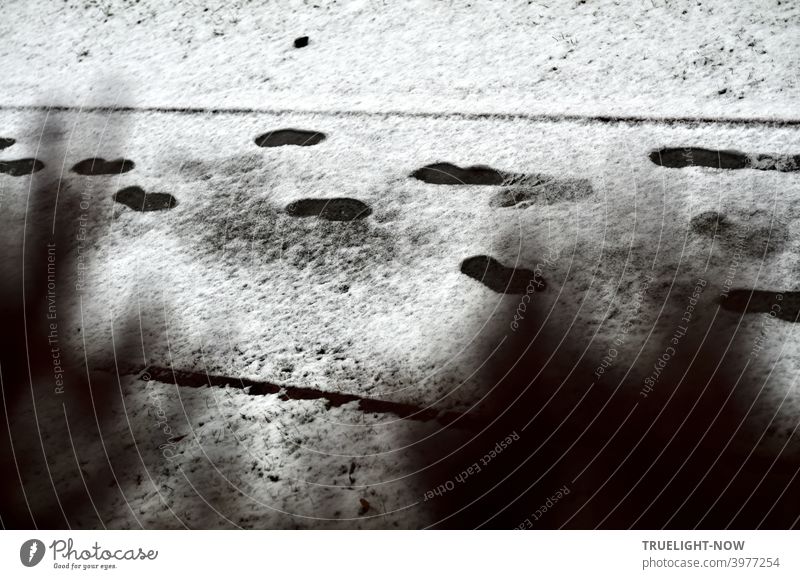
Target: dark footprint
x,y
21,167
135,198
448,174
765,236
710,223
518,197
98,166
787,308
499,278
544,190
6,143
782,163
290,137
337,209
696,157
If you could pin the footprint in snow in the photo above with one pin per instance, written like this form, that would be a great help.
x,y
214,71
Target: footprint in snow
x,y
678,158
20,167
136,198
295,137
785,305
99,166
499,278
336,209
449,174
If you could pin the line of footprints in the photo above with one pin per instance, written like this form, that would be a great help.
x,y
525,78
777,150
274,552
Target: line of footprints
x,y
517,190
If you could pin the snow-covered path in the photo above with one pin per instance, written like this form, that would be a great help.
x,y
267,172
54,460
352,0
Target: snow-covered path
x,y
235,277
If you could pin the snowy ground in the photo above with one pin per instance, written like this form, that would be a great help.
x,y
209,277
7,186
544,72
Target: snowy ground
x,y
658,57
229,280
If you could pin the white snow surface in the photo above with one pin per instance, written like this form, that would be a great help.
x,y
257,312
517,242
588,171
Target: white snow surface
x,y
599,57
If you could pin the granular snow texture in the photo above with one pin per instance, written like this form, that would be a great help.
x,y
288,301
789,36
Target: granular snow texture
x,y
660,58
367,217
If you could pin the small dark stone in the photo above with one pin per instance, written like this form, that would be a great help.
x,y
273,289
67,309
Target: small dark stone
x,y
301,42
6,142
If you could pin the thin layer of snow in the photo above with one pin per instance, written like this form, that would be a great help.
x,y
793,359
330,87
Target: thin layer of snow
x,y
604,57
229,283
